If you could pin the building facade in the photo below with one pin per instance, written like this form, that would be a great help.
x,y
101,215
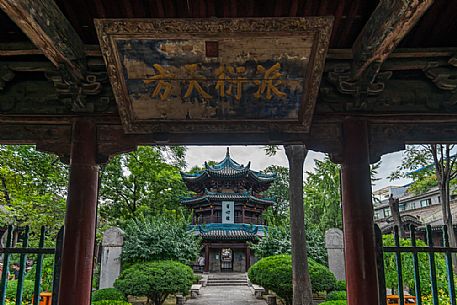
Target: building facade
x,y
415,210
227,212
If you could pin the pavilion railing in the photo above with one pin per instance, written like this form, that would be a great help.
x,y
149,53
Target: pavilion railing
x,y
431,250
24,250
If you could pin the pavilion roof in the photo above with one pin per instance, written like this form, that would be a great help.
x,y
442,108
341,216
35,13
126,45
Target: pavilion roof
x,y
234,231
237,197
228,169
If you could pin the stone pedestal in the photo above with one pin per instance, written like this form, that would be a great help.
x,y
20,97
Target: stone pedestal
x,y
113,240
334,243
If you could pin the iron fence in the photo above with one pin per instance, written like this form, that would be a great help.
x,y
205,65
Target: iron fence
x,y
431,250
24,250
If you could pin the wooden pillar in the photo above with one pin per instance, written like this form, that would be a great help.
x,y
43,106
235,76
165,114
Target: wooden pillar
x,y
243,214
80,219
248,257
359,241
206,258
302,294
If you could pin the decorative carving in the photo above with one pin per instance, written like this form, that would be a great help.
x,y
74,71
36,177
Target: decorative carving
x,y
73,92
370,83
444,77
6,75
160,28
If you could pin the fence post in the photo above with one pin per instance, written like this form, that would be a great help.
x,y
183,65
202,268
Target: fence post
x,y
6,263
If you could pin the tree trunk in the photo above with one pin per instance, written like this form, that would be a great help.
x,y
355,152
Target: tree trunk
x,y
394,205
302,293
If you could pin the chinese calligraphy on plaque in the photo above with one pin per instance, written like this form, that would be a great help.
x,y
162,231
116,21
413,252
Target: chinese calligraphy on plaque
x,y
232,79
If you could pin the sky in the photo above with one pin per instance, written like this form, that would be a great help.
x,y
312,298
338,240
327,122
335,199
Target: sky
x,y
197,155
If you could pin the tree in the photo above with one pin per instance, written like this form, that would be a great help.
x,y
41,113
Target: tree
x,y
33,188
279,190
277,241
157,238
155,280
322,196
423,161
144,182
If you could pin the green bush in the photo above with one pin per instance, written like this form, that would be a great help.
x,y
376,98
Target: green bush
x,y
337,295
111,302
275,273
27,292
155,280
108,294
334,302
47,276
340,285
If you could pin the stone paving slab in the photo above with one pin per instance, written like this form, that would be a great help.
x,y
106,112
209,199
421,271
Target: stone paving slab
x,y
225,295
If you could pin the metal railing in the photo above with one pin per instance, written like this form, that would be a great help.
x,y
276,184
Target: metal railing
x,y
24,250
430,249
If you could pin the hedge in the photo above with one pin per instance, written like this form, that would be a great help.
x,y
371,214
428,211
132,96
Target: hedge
x,y
108,294
275,273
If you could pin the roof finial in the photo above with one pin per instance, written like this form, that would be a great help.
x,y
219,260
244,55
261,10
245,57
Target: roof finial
x,y
228,152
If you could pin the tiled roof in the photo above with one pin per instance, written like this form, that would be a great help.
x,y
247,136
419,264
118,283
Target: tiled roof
x,y
225,231
227,234
228,169
213,196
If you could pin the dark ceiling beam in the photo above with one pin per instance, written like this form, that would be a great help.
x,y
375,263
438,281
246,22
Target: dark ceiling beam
x,y
47,27
389,23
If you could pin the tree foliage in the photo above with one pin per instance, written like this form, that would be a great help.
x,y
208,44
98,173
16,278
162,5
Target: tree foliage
x,y
33,187
322,196
155,280
277,241
143,182
279,190
156,238
408,267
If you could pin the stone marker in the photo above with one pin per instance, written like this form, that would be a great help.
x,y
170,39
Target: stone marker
x,y
113,240
335,250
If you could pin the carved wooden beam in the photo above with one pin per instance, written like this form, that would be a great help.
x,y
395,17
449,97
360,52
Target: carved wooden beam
x,y
389,23
47,27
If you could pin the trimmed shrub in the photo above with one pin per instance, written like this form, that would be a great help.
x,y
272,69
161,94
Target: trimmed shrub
x,y
275,273
334,302
111,302
27,292
111,294
340,285
155,280
337,295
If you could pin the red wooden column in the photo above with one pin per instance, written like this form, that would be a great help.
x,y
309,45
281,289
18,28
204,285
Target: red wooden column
x,y
79,238
359,242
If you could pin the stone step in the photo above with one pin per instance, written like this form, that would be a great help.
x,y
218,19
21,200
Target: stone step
x,y
227,283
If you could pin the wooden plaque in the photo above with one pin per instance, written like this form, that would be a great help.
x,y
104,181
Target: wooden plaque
x,y
215,75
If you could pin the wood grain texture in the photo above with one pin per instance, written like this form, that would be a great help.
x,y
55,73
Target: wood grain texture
x,y
46,26
387,26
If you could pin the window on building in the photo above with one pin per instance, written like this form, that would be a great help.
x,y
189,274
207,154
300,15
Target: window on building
x,y
425,202
387,212
401,207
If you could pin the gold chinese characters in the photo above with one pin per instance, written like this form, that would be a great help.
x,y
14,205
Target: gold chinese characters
x,y
229,81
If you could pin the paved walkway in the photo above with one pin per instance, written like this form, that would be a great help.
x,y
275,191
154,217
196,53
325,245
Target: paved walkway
x,y
225,295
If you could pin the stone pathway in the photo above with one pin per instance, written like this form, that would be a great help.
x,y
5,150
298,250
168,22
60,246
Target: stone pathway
x,y
225,295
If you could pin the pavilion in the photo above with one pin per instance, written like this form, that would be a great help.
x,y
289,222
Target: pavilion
x,y
355,79
227,212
